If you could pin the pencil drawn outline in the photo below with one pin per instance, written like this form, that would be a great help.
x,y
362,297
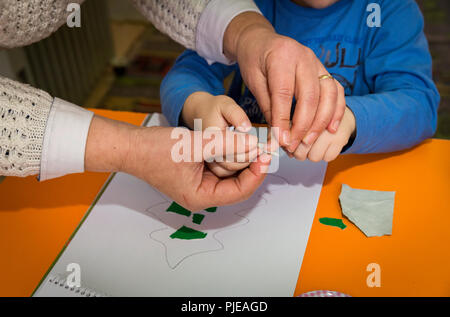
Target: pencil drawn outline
x,y
263,201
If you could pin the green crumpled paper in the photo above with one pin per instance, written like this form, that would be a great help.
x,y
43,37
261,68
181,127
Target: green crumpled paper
x,y
371,211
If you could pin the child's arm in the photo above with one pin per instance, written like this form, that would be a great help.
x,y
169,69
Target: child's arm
x,y
402,109
194,90
190,74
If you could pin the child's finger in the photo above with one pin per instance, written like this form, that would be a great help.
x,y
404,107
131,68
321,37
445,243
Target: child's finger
x,y
289,154
221,144
340,109
240,161
219,170
320,147
333,152
301,153
229,165
233,166
235,116
246,157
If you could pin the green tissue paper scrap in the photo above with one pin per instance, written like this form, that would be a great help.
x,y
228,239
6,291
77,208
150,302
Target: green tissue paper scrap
x,y
174,207
186,233
211,209
333,222
370,210
197,218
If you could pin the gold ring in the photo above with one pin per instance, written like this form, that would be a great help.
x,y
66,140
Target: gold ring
x,y
326,76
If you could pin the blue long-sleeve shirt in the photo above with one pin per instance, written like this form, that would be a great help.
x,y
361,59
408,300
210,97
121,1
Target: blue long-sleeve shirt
x,y
386,70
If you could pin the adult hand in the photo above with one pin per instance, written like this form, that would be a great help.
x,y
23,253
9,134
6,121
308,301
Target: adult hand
x,y
147,153
276,69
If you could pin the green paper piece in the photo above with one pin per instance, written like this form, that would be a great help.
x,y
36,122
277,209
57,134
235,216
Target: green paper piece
x,y
198,218
371,211
186,233
211,209
174,207
333,222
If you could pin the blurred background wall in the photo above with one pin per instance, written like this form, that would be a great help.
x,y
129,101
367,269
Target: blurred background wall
x,y
117,60
437,29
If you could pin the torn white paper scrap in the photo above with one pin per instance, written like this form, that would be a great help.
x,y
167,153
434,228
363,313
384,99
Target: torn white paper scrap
x,y
371,211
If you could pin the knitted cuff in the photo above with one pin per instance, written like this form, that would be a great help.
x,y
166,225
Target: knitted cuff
x,y
23,117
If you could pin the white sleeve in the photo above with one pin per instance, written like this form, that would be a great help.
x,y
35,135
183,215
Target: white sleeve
x,y
65,139
212,25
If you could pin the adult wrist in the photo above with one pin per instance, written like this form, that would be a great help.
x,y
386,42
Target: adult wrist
x,y
213,23
109,145
242,29
130,155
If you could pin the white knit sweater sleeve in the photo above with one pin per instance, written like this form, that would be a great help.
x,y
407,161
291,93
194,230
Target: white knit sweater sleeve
x,y
23,117
177,18
26,22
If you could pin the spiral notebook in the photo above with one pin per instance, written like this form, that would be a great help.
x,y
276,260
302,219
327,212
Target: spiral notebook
x,y
135,241
58,287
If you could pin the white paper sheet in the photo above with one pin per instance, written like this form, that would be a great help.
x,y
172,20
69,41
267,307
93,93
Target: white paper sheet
x,y
254,248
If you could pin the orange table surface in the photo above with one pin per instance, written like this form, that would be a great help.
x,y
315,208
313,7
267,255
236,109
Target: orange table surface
x,y
37,219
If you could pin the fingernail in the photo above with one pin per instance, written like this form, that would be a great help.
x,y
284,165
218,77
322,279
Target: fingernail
x,y
286,137
245,126
290,149
335,125
310,138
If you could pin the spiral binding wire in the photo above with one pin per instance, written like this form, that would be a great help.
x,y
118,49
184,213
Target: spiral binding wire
x,y
82,291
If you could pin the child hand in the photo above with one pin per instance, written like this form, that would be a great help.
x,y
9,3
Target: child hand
x,y
219,112
328,146
215,112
